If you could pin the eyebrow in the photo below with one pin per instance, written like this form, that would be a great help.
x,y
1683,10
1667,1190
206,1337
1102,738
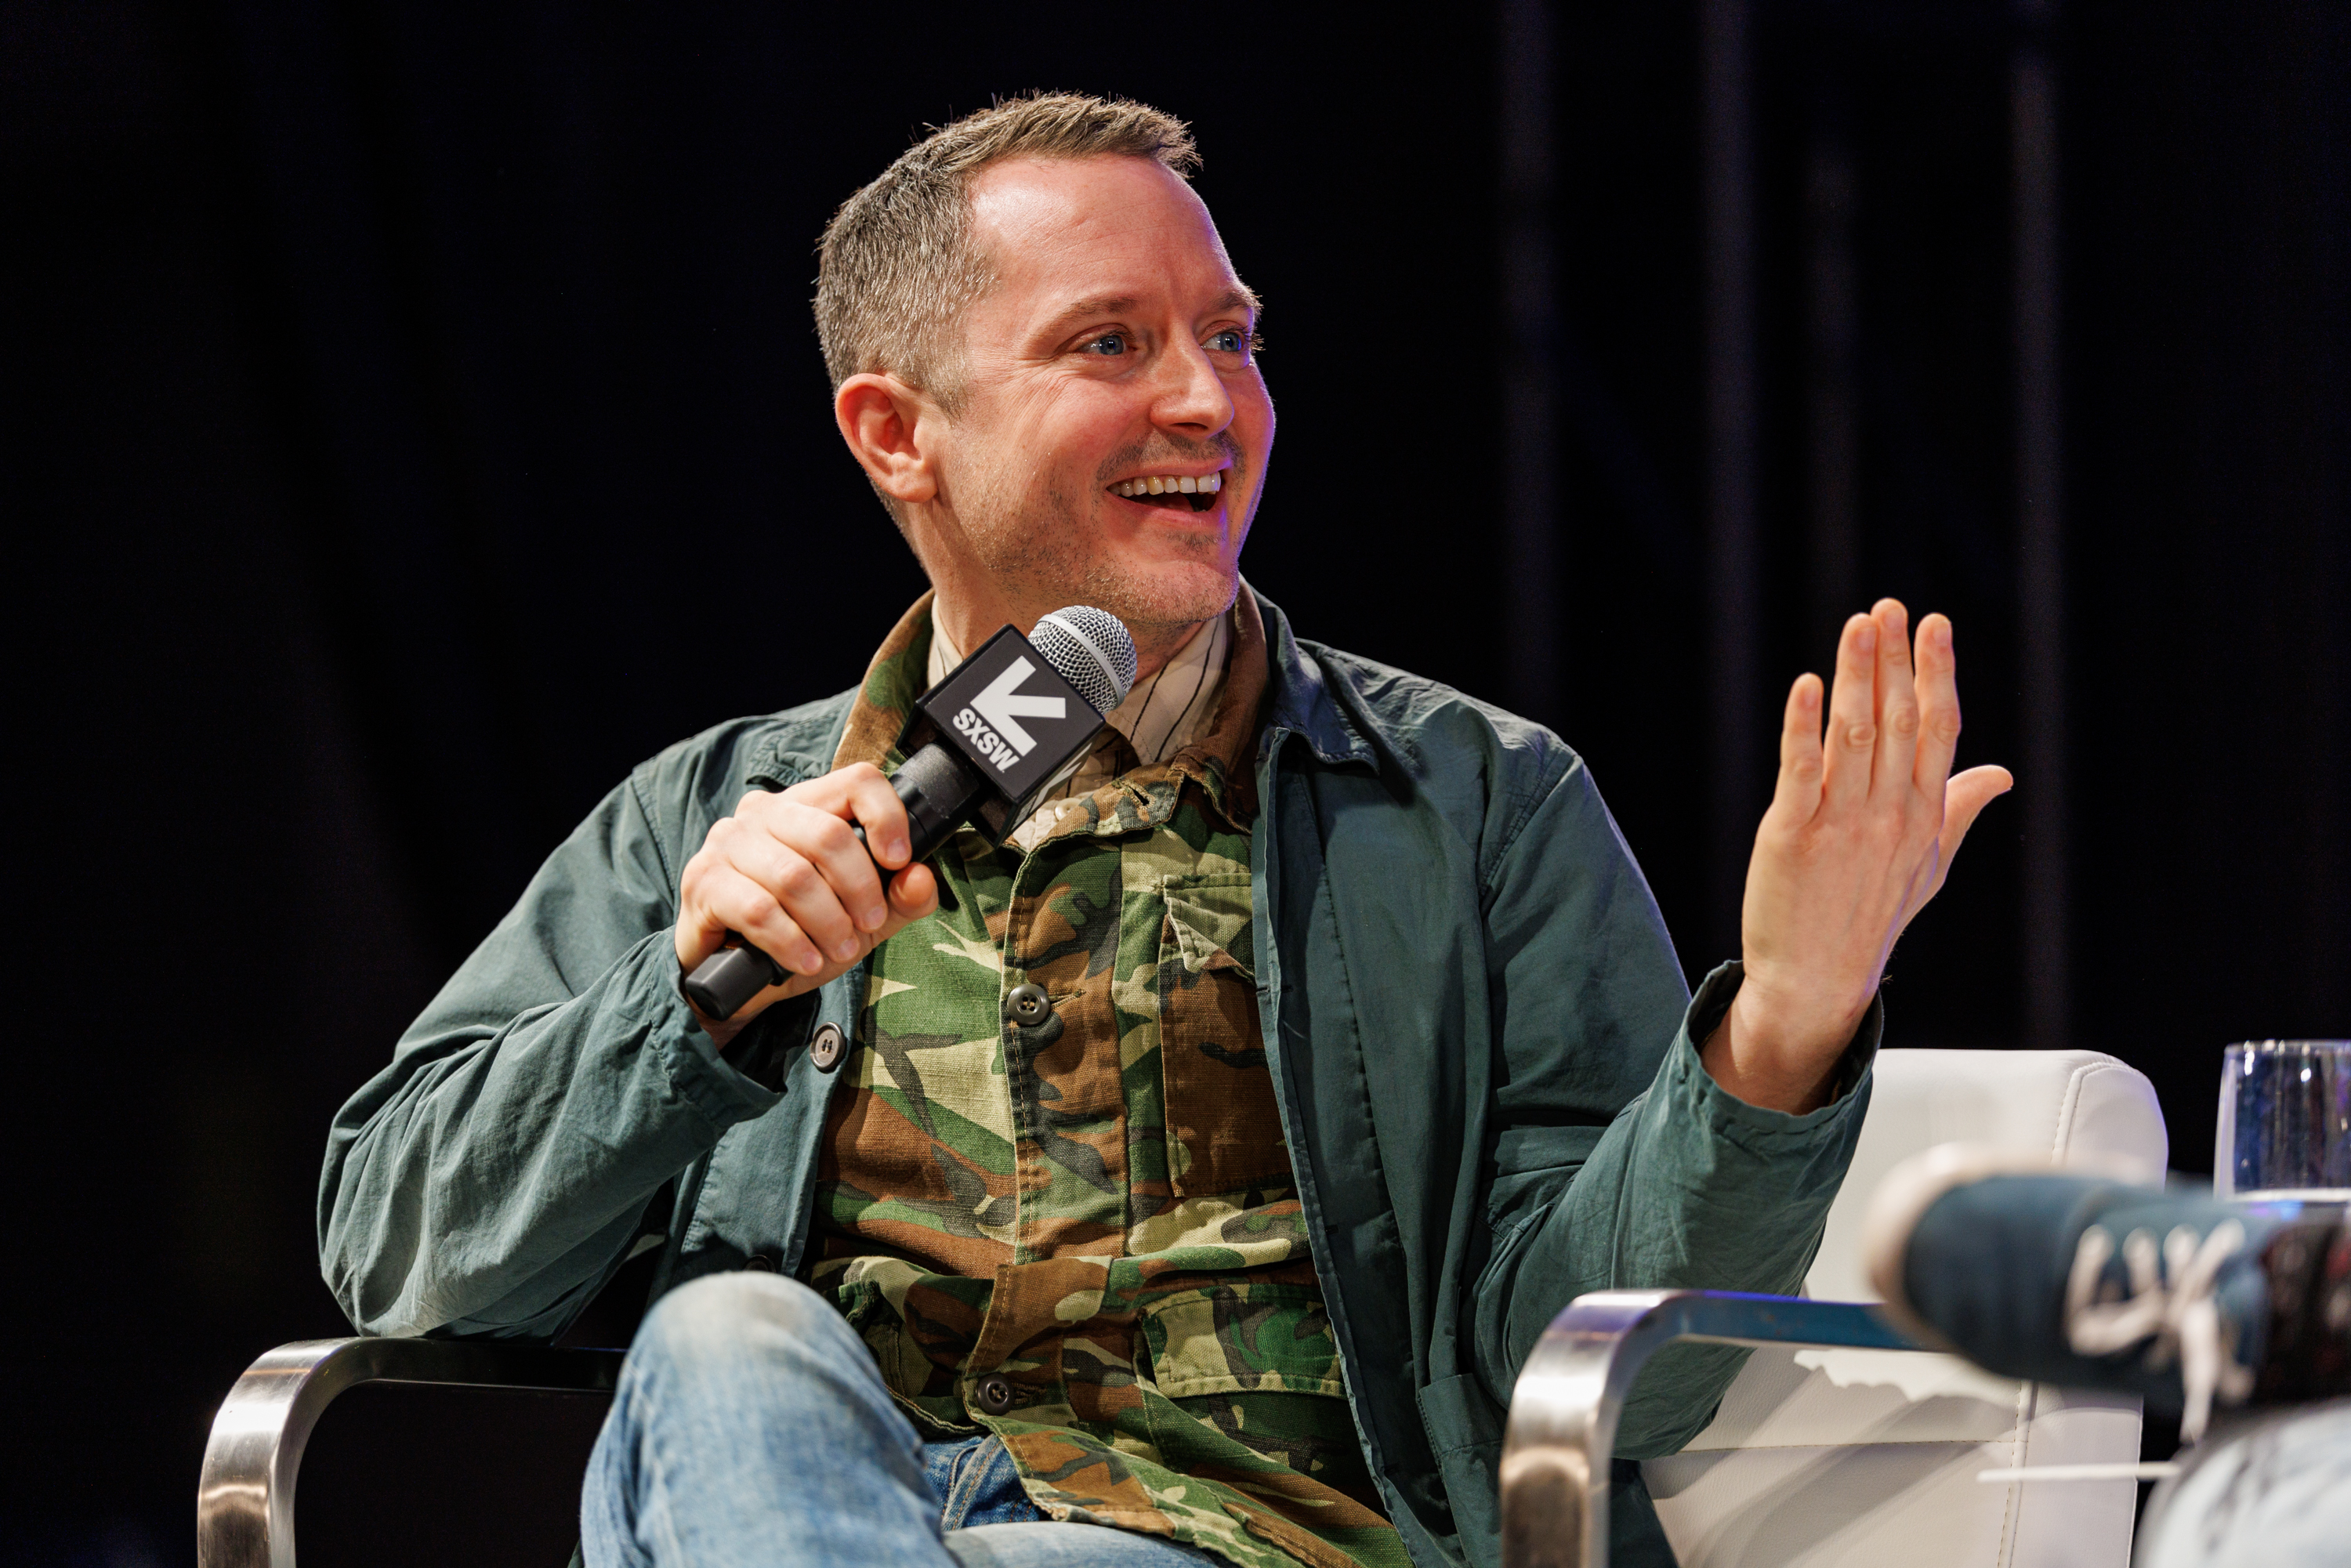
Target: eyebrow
x,y
1240,298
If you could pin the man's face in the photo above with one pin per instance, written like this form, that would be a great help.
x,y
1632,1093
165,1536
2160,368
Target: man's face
x,y
1115,348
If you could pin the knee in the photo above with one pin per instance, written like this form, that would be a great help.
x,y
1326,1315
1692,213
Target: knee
x,y
723,1318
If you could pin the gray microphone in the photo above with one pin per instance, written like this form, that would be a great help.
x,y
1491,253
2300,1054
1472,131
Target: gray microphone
x,y
983,744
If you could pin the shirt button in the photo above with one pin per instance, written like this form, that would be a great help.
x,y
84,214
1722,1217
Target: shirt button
x,y
825,1047
760,1263
995,1393
1028,1006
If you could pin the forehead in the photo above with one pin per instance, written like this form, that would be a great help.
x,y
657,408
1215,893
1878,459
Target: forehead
x,y
1096,227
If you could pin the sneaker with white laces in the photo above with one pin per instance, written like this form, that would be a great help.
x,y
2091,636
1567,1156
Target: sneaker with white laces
x,y
2098,1282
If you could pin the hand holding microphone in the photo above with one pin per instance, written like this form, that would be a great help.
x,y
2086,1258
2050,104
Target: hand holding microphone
x,y
790,878
787,873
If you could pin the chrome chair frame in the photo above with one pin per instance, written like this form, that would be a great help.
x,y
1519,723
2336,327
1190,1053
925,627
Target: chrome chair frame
x,y
1569,1396
245,1498
1555,1452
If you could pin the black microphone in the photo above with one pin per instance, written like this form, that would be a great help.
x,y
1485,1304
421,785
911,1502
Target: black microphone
x,y
985,743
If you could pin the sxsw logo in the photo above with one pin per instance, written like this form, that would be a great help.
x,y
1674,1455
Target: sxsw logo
x,y
993,716
1009,712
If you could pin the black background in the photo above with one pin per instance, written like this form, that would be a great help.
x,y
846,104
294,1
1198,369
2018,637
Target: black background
x,y
412,418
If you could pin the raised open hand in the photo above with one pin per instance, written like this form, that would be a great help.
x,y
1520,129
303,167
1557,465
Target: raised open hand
x,y
1859,836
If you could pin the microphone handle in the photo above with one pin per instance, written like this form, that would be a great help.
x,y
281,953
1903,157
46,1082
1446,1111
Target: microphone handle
x,y
940,789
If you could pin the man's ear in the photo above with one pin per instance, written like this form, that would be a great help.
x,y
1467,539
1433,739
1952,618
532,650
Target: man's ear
x,y
892,430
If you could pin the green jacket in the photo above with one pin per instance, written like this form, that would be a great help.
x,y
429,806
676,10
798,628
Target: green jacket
x,y
1479,1036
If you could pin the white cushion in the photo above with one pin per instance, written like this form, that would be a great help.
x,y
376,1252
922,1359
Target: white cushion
x,y
1855,1457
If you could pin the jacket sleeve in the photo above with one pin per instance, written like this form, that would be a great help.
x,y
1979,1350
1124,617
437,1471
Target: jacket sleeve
x,y
488,1181
1619,1163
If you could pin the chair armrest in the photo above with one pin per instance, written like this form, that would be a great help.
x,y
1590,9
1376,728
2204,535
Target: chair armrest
x,y
245,1498
1564,1409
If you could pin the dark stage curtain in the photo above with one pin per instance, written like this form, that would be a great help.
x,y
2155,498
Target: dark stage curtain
x,y
412,419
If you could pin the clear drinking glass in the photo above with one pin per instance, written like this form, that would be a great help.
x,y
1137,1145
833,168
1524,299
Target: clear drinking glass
x,y
2285,1122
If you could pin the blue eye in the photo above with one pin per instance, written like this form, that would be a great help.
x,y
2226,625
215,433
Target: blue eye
x,y
1234,340
1107,345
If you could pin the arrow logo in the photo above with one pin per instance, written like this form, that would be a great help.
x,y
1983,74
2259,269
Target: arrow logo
x,y
1001,709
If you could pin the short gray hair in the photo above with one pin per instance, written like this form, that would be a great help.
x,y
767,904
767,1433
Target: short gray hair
x,y
896,268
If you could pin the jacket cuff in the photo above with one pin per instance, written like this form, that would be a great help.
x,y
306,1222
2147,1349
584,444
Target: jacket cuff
x,y
762,1050
707,1078
1725,1110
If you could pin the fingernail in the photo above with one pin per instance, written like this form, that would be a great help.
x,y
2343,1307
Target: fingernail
x,y
873,918
844,948
1866,641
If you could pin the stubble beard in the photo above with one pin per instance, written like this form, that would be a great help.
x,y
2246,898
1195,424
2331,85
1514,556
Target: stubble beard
x,y
1045,543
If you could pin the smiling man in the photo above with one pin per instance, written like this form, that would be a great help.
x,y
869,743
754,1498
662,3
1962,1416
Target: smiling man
x,y
1186,1177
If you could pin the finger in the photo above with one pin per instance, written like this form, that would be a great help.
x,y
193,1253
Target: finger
x,y
852,884
772,847
1853,717
1968,794
751,910
700,932
1938,704
877,809
833,791
1797,795
913,894
914,891
1898,701
859,793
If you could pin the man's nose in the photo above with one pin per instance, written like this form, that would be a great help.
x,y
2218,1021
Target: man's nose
x,y
1191,398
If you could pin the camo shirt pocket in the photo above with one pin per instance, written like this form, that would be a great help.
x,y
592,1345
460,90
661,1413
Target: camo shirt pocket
x,y
1247,1336
1223,1128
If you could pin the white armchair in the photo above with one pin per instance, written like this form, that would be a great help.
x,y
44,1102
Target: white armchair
x,y
1829,1447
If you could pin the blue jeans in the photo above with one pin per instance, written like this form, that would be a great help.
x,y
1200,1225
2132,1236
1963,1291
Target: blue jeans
x,y
2270,1490
751,1430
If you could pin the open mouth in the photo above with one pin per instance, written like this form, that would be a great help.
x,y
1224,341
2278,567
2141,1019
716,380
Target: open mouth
x,y
1199,492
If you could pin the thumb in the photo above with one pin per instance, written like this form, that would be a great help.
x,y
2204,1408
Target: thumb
x,y
1964,798
914,893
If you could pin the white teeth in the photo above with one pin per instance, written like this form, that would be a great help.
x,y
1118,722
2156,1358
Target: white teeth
x,y
1172,485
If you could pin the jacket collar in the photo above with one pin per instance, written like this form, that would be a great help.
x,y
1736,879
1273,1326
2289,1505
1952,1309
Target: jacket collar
x,y
899,673
1301,699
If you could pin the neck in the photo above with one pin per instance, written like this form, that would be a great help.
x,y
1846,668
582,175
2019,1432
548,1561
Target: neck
x,y
1151,656
970,619
970,601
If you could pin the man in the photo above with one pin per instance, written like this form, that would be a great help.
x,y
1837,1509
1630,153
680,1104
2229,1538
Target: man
x,y
1187,1177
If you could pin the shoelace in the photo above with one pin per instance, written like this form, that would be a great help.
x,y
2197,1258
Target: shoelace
x,y
2171,1301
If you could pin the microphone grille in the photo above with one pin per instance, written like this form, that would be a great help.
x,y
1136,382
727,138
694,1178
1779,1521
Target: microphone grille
x,y
1091,651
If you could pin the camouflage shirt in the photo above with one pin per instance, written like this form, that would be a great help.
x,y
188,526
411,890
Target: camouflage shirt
x,y
1098,1209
